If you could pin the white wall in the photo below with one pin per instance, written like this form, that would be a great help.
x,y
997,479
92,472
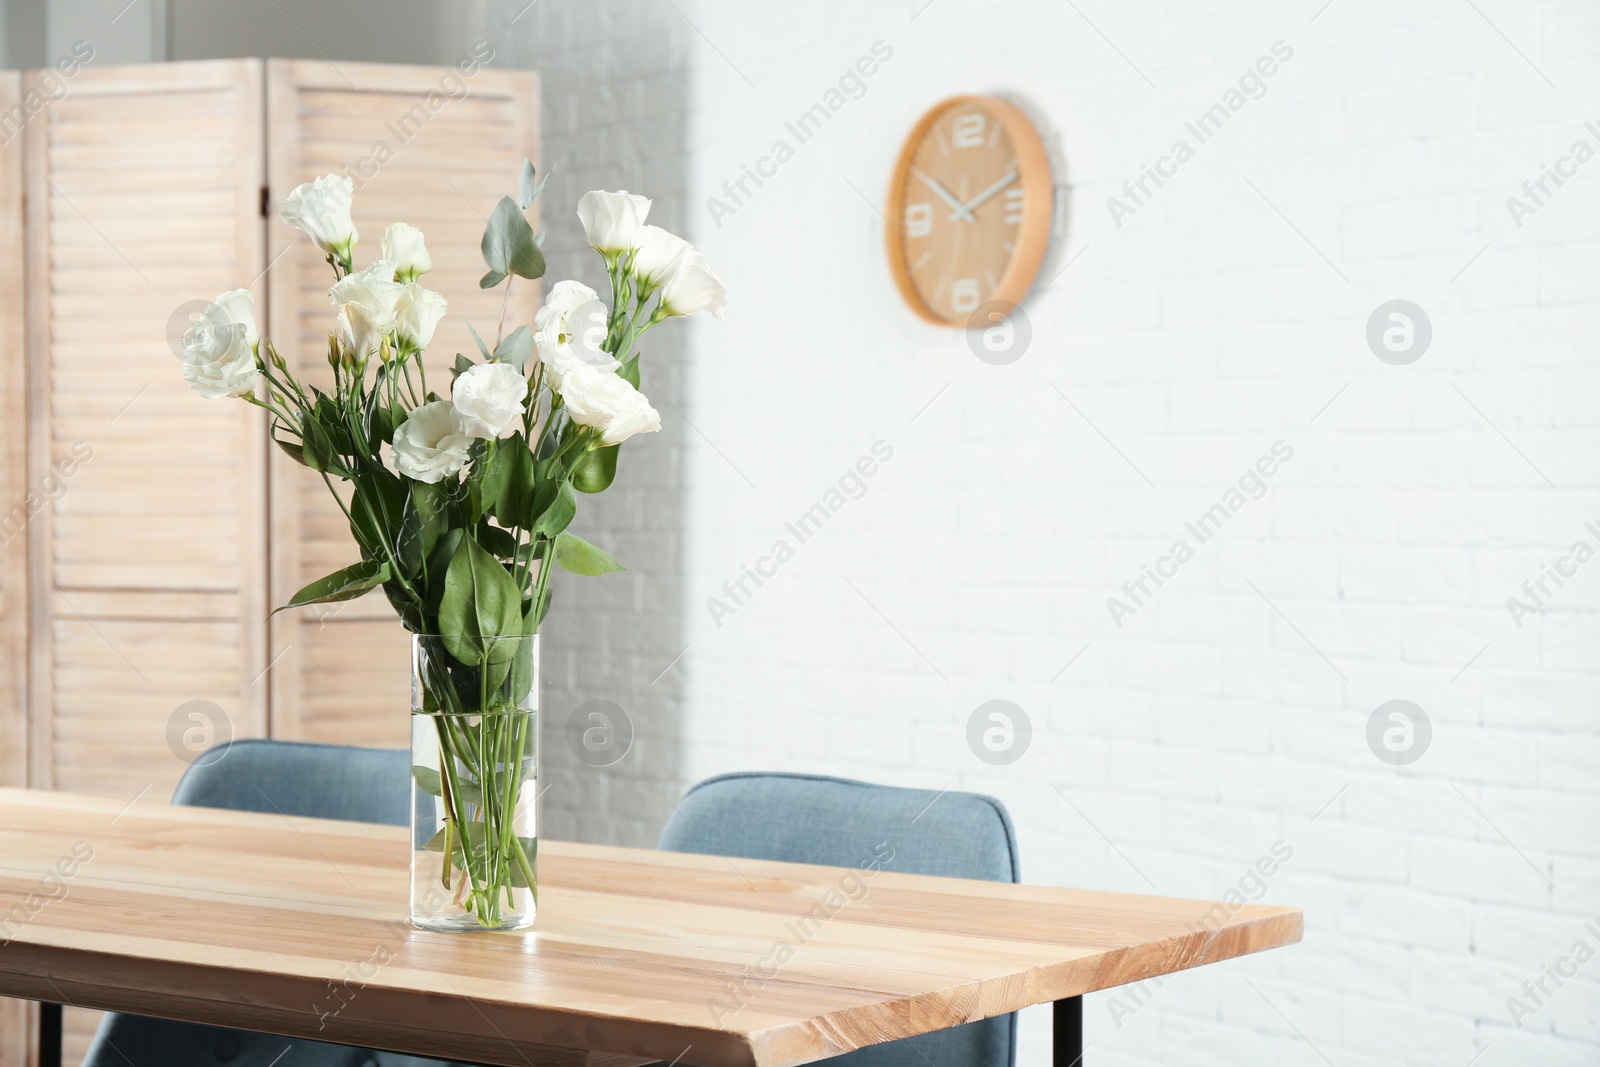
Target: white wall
x,y
1227,314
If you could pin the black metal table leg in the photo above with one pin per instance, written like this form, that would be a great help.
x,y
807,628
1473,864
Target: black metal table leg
x,y
1067,1046
49,1034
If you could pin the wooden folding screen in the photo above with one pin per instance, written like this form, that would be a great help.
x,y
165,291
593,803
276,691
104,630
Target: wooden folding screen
x,y
437,151
149,568
136,579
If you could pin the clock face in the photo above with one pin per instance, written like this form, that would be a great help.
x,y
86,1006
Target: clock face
x,y
969,210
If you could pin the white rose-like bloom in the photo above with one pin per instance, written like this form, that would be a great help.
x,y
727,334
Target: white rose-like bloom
x,y
375,288
658,255
322,209
488,399
601,400
361,330
612,220
573,317
403,246
417,314
693,288
239,305
429,446
217,360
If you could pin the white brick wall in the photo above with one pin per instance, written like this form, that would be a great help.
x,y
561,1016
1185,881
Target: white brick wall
x,y
1207,327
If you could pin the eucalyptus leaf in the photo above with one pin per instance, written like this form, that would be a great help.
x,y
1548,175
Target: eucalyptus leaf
x,y
516,348
463,364
344,584
580,557
527,190
508,245
481,346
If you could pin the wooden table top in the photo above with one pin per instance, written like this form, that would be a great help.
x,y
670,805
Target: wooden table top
x,y
298,927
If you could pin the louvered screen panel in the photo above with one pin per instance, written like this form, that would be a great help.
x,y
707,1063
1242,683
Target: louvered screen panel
x,y
340,672
16,1017
149,576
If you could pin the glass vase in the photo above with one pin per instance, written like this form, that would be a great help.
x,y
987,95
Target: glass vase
x,y
474,741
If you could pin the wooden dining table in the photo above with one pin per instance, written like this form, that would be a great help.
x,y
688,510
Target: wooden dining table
x,y
297,927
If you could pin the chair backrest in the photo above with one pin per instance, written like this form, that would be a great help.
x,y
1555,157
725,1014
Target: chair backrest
x,y
320,781
805,818
292,778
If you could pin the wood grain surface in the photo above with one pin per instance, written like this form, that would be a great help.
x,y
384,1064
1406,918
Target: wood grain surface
x,y
297,927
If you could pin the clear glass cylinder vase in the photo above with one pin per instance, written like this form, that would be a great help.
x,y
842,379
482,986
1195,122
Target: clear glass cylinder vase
x,y
474,745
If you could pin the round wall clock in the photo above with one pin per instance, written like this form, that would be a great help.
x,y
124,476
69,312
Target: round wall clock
x,y
969,209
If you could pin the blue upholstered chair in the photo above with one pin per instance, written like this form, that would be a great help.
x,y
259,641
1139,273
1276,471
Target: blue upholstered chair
x,y
808,819
324,781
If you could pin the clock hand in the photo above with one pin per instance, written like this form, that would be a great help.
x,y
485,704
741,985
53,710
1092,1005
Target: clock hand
x,y
972,204
961,211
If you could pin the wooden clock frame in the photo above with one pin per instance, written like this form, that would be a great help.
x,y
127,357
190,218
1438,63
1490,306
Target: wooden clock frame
x,y
1033,233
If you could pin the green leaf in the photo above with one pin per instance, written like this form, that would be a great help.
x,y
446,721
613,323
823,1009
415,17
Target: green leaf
x,y
527,190
481,346
427,780
491,279
296,452
516,498
377,508
481,601
439,567
508,244
559,515
580,557
516,348
490,475
463,364
346,584
595,470
495,541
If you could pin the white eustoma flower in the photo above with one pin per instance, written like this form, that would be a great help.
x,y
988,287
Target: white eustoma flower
x,y
658,255
361,330
429,446
600,399
573,317
693,288
403,246
322,209
375,288
417,314
239,305
612,220
217,358
488,399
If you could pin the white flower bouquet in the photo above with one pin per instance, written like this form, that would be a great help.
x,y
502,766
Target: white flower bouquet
x,y
459,504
